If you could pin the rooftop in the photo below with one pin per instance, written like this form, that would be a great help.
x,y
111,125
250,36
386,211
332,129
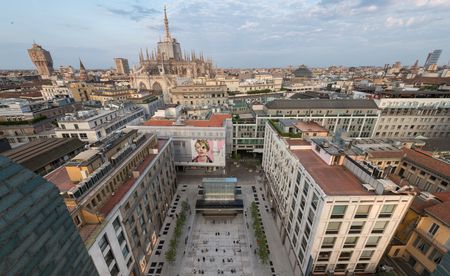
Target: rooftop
x,y
215,120
386,154
125,187
36,154
322,104
424,160
310,126
441,212
334,180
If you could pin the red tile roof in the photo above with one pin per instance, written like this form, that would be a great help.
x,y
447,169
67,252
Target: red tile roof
x,y
159,122
427,162
60,179
440,212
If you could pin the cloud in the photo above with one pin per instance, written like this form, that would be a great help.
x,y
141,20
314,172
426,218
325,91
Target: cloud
x,y
249,25
135,12
394,22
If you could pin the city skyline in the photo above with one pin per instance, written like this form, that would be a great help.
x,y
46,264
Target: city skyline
x,y
251,34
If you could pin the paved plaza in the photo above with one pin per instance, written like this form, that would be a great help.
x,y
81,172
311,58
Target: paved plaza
x,y
218,246
229,235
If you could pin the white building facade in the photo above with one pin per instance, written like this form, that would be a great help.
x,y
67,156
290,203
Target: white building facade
x,y
409,118
329,219
95,125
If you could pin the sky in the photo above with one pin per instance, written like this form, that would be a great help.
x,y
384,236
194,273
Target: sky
x,y
234,33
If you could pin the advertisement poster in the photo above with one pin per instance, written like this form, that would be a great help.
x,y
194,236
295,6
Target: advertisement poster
x,y
200,152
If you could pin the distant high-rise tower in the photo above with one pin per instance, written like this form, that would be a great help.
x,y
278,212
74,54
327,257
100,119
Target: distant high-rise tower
x,y
83,73
122,66
433,58
38,236
42,60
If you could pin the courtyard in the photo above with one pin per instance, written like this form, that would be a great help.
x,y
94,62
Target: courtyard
x,y
219,244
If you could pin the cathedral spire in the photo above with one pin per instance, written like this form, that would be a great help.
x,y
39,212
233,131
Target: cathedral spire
x,y
166,24
81,65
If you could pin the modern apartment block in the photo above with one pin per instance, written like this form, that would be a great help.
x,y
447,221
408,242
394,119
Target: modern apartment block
x,y
333,216
410,118
37,235
118,193
421,241
97,124
356,117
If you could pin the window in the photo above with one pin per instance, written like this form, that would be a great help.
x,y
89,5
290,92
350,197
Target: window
x,y
320,268
315,201
379,227
360,267
304,243
76,126
338,211
333,228
65,135
433,229
83,136
435,256
125,251
372,241
387,210
340,267
350,242
366,255
116,224
356,227
328,242
311,216
130,261
306,188
345,256
324,256
307,231
362,211
421,245
103,243
109,258
114,270
121,238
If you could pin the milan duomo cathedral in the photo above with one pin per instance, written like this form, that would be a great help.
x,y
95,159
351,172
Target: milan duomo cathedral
x,y
168,66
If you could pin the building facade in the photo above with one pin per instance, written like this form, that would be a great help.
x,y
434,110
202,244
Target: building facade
x,y
213,133
42,59
122,66
354,118
95,125
159,70
410,118
332,216
199,95
118,193
427,173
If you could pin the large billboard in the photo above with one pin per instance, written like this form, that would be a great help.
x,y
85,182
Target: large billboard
x,y
200,152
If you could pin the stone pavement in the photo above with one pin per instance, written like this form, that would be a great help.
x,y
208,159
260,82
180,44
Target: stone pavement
x,y
202,240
